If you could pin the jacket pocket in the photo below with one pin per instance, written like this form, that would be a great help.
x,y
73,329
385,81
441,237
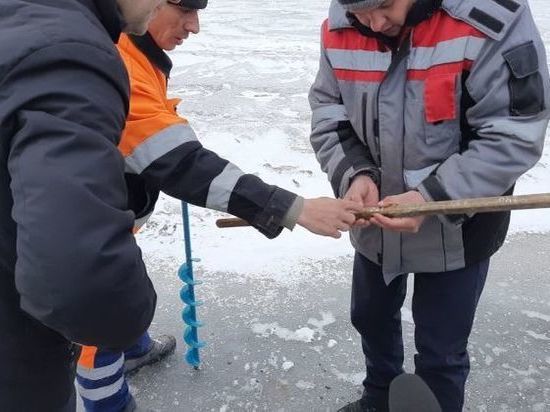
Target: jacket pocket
x,y
525,83
440,97
442,114
428,143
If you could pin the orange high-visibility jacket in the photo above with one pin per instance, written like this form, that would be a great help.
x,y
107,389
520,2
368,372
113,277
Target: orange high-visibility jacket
x,y
162,152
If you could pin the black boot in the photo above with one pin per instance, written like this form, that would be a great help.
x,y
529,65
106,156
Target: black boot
x,y
358,406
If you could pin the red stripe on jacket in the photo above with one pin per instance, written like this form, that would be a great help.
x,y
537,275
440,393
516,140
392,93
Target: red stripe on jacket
x,y
349,39
442,69
442,27
359,76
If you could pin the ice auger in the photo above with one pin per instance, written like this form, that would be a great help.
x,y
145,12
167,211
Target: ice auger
x,y
187,295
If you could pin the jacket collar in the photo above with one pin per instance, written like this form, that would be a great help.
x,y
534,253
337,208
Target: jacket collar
x,y
154,53
339,19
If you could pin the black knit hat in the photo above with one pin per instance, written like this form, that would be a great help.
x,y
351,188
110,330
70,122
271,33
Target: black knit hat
x,y
352,5
190,4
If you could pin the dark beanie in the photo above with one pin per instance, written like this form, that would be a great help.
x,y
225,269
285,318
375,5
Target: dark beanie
x,y
352,5
194,4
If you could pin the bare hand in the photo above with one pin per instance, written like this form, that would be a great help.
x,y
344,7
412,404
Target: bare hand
x,y
400,224
328,217
365,192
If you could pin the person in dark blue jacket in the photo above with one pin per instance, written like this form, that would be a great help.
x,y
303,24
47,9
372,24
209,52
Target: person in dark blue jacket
x,y
70,269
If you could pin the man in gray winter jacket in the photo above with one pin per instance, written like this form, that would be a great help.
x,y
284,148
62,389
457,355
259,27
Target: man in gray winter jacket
x,y
422,101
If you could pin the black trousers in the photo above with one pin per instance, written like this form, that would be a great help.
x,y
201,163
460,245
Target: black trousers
x,y
443,307
38,365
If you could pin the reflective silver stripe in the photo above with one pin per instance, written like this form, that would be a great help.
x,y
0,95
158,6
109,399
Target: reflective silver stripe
x,y
158,145
331,112
222,186
450,51
414,177
359,60
96,374
101,393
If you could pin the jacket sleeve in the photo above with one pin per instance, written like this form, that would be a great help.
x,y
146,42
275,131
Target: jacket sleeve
x,y
162,148
78,270
335,143
508,85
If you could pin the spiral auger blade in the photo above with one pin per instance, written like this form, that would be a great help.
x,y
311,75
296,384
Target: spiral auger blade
x,y
187,295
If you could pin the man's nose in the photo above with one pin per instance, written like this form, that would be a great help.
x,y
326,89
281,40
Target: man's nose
x,y
192,24
377,22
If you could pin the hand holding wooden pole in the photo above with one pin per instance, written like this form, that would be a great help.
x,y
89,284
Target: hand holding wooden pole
x,y
449,207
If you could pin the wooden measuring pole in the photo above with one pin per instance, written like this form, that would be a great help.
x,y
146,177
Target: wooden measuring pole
x,y
449,207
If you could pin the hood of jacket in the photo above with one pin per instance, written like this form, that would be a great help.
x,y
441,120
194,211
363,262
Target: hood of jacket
x,y
421,10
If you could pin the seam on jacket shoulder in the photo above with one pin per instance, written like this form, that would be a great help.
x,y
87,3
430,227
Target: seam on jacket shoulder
x,y
34,51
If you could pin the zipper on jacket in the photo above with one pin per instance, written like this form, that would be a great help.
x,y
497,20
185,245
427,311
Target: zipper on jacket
x,y
397,55
376,127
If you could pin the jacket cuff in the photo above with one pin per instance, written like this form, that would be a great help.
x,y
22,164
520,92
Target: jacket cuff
x,y
270,221
432,190
352,172
372,172
291,217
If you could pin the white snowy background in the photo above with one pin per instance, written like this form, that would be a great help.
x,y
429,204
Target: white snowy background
x,y
278,309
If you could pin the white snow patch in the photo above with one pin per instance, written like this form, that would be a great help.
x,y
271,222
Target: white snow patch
x,y
499,351
305,385
303,334
250,94
536,315
267,329
287,365
529,372
327,318
317,348
353,378
283,382
538,336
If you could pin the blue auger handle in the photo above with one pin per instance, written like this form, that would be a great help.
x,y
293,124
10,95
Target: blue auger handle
x,y
187,295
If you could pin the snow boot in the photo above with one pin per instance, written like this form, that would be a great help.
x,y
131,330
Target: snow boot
x,y
161,347
360,405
